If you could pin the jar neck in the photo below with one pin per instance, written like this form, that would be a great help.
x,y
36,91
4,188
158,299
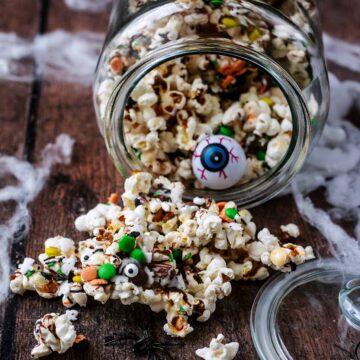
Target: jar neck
x,y
249,194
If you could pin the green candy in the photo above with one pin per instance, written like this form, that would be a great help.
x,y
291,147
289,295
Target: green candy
x,y
138,255
313,121
216,2
261,155
29,273
224,130
231,213
188,256
177,254
126,243
106,271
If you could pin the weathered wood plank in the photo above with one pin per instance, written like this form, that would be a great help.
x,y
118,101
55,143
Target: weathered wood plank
x,y
19,17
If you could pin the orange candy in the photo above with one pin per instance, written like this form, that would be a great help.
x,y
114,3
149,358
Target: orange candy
x,y
113,198
222,209
89,273
116,64
98,282
227,81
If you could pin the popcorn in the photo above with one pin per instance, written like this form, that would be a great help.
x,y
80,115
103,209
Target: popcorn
x,y
218,350
276,149
159,251
291,229
97,217
65,245
185,98
55,333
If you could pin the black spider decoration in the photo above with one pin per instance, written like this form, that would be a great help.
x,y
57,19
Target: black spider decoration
x,y
353,354
143,345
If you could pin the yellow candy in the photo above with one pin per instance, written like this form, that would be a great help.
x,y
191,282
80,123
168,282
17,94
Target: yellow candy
x,y
52,251
229,22
254,35
77,279
267,100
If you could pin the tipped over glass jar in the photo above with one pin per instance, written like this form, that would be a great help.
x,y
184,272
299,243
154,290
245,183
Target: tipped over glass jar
x,y
226,96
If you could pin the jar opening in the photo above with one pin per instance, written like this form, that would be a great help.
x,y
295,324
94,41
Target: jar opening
x,y
168,101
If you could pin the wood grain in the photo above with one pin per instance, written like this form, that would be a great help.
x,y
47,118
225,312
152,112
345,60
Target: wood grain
x,y
71,190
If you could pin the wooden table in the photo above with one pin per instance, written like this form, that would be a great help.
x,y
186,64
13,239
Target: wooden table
x,y
33,114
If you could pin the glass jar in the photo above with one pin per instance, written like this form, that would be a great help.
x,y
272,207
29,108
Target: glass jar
x,y
173,72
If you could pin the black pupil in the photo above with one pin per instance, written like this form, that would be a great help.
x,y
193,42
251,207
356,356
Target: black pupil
x,y
86,257
216,157
130,271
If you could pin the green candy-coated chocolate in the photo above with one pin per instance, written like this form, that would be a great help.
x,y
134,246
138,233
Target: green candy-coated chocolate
x,y
106,271
231,213
138,255
260,155
216,2
177,254
126,243
224,130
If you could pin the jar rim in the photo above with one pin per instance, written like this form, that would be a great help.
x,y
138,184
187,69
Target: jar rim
x,y
265,333
249,194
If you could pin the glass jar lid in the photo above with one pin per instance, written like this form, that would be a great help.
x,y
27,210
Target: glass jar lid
x,y
311,313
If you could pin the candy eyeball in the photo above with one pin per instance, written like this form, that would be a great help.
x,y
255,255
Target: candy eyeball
x,y
92,257
131,270
218,162
85,257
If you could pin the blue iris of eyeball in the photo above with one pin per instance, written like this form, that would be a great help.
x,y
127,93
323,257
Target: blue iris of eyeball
x,y
218,162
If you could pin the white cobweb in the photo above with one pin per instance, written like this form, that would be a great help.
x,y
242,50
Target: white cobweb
x,y
65,56
335,163
30,181
88,5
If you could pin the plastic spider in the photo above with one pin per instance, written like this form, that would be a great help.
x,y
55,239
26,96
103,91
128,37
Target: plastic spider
x,y
142,345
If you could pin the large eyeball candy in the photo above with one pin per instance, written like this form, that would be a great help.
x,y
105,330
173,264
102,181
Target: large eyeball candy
x,y
218,162
133,270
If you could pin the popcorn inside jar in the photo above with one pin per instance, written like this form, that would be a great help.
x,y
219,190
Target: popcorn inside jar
x,y
209,121
225,96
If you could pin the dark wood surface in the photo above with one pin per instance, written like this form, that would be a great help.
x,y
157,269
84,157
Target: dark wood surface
x,y
33,114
